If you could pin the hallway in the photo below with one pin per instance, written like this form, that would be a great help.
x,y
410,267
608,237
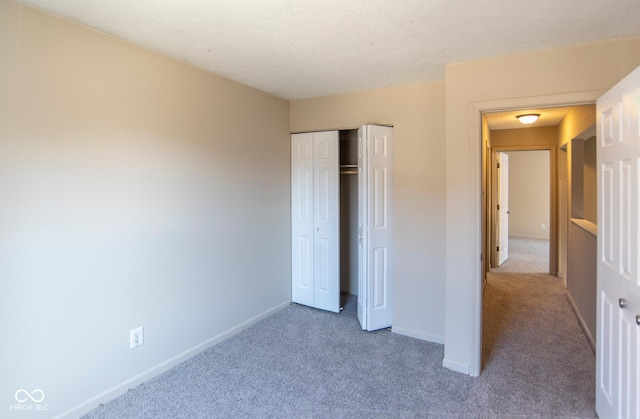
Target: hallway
x,y
530,332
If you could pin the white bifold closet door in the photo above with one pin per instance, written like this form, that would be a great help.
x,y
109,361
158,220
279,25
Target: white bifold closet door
x,y
375,285
315,212
315,219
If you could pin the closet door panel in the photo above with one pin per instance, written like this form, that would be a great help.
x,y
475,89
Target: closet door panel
x,y
315,194
380,279
302,287
375,309
363,284
326,193
379,226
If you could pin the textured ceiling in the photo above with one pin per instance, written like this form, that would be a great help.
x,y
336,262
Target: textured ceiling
x,y
307,48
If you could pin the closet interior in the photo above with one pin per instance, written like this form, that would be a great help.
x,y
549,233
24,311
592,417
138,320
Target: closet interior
x,y
348,150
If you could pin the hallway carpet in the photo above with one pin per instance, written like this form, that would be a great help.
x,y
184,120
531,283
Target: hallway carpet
x,y
526,256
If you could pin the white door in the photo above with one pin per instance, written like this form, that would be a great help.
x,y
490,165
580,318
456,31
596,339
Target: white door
x,y
503,208
618,311
315,220
302,218
375,292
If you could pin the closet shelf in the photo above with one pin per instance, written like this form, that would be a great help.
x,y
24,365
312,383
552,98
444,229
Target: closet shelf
x,y
348,169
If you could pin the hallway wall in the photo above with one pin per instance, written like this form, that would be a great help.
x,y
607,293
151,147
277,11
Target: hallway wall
x,y
529,194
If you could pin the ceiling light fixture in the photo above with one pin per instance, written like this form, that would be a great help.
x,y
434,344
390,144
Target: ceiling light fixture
x,y
528,118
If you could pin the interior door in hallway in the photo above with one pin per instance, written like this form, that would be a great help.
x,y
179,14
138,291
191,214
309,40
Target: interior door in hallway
x,y
618,311
503,208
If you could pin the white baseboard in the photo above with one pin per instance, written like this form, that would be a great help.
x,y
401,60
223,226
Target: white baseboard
x,y
583,324
456,366
418,335
158,369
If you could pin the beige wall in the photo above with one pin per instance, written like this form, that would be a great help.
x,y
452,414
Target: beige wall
x,y
417,114
529,193
590,181
582,277
547,78
578,246
529,178
577,120
136,191
524,137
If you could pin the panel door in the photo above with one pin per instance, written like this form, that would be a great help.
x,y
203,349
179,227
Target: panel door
x,y
315,279
326,221
375,302
618,314
363,275
503,210
302,214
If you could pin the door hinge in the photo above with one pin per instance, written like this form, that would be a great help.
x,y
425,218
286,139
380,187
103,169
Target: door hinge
x,y
497,248
498,206
498,165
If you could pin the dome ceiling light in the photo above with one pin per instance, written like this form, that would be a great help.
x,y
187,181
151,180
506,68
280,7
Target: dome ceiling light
x,y
528,118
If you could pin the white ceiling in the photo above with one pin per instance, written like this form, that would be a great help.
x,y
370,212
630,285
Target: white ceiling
x,y
305,48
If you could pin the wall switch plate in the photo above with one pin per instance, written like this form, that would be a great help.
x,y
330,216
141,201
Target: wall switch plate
x,y
136,337
543,227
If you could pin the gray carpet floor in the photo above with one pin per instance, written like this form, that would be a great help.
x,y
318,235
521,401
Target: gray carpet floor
x,y
307,363
526,256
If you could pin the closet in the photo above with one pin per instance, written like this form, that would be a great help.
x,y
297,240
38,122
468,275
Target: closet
x,y
341,221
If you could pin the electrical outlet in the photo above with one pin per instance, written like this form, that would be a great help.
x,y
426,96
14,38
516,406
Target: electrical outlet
x,y
136,337
543,227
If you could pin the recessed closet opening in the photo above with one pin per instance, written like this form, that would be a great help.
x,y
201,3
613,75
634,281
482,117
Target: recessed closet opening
x,y
342,221
348,213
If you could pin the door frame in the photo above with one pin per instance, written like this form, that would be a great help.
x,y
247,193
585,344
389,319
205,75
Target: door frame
x,y
477,109
553,201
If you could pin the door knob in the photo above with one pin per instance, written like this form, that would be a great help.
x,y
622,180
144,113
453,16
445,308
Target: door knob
x,y
622,303
638,320
317,229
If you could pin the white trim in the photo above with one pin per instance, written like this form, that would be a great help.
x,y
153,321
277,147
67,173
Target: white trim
x,y
119,389
477,108
473,369
583,324
456,366
418,335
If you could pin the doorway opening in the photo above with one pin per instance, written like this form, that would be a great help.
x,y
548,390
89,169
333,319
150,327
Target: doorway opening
x,y
533,243
521,211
